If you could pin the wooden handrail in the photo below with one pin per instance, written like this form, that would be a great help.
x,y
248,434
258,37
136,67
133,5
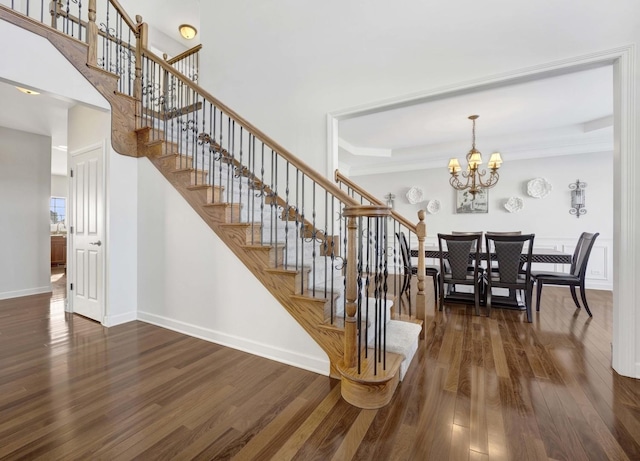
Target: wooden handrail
x,y
132,25
184,54
288,156
339,177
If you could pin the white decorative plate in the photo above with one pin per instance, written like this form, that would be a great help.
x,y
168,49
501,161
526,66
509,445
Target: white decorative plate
x,y
538,188
433,206
513,205
414,195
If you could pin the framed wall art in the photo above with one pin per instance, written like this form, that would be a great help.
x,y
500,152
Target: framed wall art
x,y
466,203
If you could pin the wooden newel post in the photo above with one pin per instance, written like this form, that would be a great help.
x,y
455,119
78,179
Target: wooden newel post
x,y
92,35
421,299
141,43
350,326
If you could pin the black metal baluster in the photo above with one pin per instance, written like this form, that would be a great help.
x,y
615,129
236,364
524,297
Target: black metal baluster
x,y
313,237
385,274
240,174
359,263
251,187
274,218
286,216
325,244
297,219
262,193
302,231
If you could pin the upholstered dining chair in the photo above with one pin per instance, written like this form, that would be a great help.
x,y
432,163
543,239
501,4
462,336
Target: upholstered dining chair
x,y
410,270
575,277
457,252
508,251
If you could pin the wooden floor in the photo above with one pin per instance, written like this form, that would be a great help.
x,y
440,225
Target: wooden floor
x,y
478,389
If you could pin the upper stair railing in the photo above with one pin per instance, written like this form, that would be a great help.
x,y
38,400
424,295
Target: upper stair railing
x,y
285,204
415,233
187,62
109,32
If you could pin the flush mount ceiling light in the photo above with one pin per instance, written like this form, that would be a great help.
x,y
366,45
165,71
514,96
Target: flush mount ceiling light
x,y
473,175
27,91
187,31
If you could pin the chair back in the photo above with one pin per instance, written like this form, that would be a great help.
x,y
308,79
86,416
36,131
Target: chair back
x,y
582,253
502,233
460,248
470,233
404,252
508,251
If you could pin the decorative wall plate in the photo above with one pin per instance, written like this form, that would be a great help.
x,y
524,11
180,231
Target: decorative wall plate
x,y
513,205
433,206
538,188
415,195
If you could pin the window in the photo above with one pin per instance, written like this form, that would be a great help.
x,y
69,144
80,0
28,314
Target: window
x,y
58,212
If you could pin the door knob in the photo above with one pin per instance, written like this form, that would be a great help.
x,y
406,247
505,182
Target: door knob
x,y
98,243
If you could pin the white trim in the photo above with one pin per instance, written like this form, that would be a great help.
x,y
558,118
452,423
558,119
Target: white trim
x,y
235,342
626,326
27,292
120,319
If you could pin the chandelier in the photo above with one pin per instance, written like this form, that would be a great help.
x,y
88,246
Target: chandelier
x,y
474,176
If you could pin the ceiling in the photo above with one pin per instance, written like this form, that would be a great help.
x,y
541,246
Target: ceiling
x,y
565,114
561,115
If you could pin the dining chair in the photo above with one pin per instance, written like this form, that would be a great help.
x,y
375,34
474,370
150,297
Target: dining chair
x,y
575,277
508,252
410,270
457,252
494,265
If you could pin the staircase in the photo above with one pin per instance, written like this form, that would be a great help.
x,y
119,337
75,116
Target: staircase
x,y
321,253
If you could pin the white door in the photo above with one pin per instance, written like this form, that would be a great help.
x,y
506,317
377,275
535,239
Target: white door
x,y
87,247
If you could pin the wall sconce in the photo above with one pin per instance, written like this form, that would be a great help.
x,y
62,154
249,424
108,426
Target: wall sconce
x,y
389,198
187,31
577,198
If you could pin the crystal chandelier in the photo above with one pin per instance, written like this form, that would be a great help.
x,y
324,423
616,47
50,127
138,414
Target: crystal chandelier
x,y
474,176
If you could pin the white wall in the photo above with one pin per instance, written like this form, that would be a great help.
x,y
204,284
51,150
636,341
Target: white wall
x,y
88,127
25,186
548,217
190,281
59,186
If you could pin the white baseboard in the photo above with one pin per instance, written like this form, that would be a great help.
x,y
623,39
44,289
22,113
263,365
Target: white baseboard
x,y
113,320
27,292
243,344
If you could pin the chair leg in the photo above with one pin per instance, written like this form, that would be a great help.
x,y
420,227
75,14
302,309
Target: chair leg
x,y
538,294
487,297
435,288
528,295
574,296
477,299
441,295
583,295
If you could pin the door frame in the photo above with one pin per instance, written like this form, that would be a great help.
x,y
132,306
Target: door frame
x,y
71,269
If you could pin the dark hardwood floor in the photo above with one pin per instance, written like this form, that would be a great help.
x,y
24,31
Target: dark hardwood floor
x,y
478,389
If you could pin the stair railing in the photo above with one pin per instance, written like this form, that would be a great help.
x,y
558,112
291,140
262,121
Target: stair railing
x,y
108,30
284,203
416,234
187,62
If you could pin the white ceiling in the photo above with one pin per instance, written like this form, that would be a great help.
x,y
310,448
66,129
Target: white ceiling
x,y
561,115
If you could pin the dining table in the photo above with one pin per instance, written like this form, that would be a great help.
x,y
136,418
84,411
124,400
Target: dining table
x,y
538,255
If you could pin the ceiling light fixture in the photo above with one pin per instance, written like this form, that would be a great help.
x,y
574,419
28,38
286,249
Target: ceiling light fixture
x,y
27,91
187,31
473,174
